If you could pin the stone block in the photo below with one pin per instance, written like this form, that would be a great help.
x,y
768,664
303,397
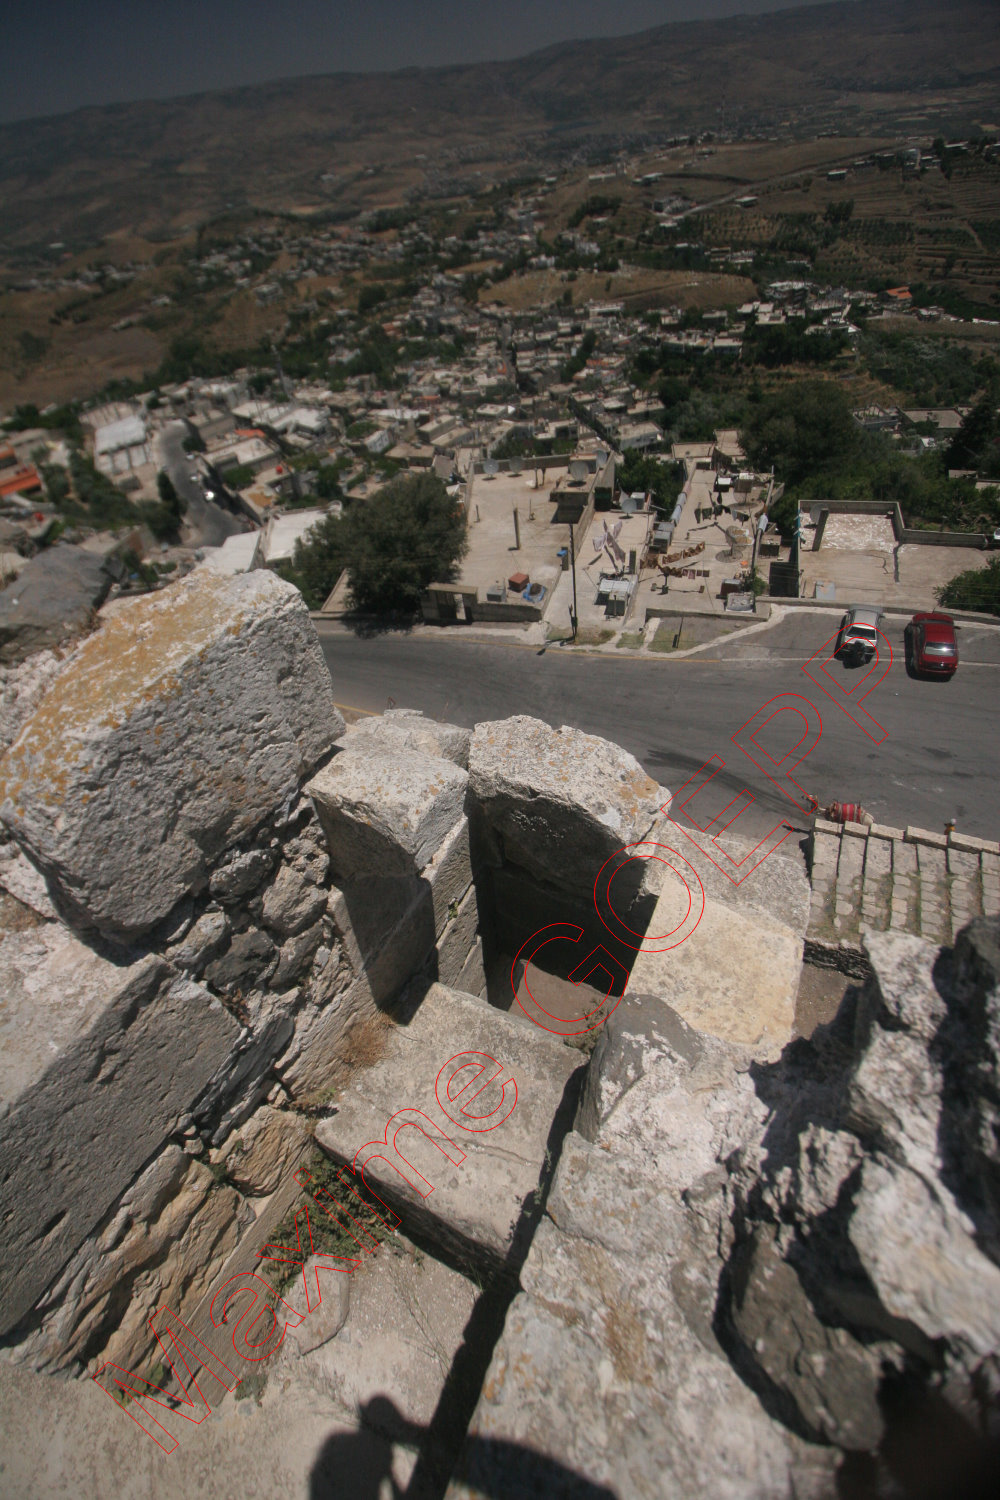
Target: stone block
x,y
386,813
98,1062
883,831
735,977
20,879
52,599
856,830
923,836
823,825
184,722
561,802
472,1204
404,730
970,845
264,1151
458,941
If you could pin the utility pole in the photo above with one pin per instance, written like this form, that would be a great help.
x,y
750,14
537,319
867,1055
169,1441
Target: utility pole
x,y
572,562
517,531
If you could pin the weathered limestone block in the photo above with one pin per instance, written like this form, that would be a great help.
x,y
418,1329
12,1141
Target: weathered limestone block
x,y
20,879
244,1079
180,725
162,1248
560,801
203,941
97,1063
830,1380
52,599
22,689
240,873
248,961
386,931
386,813
297,954
622,1281
264,1151
404,729
482,1180
735,975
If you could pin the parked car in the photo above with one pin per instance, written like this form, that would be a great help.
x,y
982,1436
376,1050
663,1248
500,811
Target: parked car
x,y
932,636
858,637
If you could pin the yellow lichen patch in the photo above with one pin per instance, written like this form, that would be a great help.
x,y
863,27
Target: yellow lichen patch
x,y
137,659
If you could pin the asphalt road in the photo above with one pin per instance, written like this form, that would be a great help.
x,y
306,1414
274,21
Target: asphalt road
x,y
938,761
210,522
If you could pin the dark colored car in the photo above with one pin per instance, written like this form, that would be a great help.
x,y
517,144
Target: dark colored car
x,y
934,646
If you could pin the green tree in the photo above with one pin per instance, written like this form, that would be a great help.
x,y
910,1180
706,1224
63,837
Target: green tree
x,y
977,589
318,561
976,444
800,430
410,534
164,520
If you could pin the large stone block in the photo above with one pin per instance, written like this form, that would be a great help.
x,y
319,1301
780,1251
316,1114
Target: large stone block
x,y
52,599
177,728
403,730
386,813
560,801
98,1061
479,1184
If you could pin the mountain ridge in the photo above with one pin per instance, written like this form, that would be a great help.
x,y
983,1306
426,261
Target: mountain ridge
x,y
349,140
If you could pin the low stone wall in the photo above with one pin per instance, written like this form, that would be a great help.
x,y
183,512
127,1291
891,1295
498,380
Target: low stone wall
x,y
909,535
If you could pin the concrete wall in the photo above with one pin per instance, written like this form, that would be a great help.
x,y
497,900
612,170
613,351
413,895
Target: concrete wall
x,y
908,535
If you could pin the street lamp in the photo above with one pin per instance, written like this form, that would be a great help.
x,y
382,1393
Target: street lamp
x,y
572,562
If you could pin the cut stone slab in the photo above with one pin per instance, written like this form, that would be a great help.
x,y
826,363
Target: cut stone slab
x,y
560,801
736,975
474,1206
386,813
179,726
403,729
52,599
98,1062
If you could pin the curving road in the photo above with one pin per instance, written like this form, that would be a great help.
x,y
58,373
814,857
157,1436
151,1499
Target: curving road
x,y
938,760
209,523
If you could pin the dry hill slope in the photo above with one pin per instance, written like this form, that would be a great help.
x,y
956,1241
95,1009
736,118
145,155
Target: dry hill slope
x,y
345,140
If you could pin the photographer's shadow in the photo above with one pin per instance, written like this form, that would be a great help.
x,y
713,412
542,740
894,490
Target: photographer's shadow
x,y
358,1465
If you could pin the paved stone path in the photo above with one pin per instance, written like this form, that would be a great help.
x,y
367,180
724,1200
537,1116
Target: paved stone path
x,y
905,880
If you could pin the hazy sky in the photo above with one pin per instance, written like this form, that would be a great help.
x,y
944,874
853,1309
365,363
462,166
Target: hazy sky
x,y
59,54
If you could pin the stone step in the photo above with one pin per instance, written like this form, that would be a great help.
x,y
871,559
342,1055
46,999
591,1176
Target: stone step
x,y
467,1192
847,900
935,909
922,883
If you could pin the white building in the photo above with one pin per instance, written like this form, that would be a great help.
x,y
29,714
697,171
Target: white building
x,y
120,447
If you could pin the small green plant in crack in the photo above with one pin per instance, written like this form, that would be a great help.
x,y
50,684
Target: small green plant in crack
x,y
452,911
329,1236
252,1386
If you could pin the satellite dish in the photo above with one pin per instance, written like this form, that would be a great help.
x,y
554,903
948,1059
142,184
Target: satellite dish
x,y
579,468
491,468
514,466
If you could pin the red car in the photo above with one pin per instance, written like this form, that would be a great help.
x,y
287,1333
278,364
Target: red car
x,y
934,646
